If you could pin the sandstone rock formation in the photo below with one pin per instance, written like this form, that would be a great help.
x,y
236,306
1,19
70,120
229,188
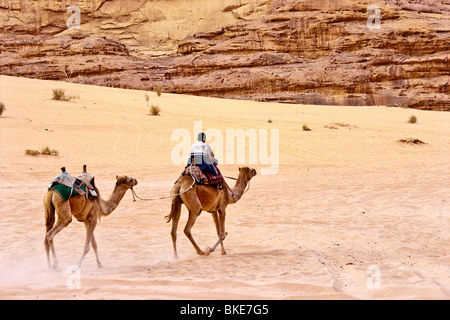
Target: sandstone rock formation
x,y
152,26
296,51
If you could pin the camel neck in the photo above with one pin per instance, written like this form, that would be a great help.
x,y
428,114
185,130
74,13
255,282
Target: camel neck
x,y
238,190
108,206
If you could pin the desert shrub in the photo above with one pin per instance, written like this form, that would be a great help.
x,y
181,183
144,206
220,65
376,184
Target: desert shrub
x,y
45,151
411,141
306,128
30,152
159,89
59,94
269,121
48,151
2,108
155,110
412,119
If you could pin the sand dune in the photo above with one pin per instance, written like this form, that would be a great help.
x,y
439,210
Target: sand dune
x,y
349,205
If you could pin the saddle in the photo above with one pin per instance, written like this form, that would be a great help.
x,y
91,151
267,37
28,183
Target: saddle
x,y
68,186
202,177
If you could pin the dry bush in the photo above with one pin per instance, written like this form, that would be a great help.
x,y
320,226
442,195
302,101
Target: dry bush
x,y
45,151
159,89
411,141
59,94
49,152
155,110
412,119
30,152
147,97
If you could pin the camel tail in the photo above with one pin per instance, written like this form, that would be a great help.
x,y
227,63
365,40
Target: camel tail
x,y
49,212
176,202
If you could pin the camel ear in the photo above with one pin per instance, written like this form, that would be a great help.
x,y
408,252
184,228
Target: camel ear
x,y
119,180
239,168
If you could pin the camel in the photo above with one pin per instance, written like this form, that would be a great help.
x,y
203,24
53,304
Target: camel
x,y
84,210
205,197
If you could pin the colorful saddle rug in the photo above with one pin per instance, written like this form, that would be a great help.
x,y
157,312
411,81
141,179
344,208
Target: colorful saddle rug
x,y
68,186
202,177
67,192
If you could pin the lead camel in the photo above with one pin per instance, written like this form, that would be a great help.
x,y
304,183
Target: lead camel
x,y
198,198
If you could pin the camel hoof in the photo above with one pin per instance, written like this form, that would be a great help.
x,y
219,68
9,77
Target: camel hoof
x,y
208,251
201,253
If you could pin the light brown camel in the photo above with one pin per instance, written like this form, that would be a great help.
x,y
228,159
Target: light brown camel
x,y
84,210
205,197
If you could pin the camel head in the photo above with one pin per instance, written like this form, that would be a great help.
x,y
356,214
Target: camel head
x,y
248,172
128,181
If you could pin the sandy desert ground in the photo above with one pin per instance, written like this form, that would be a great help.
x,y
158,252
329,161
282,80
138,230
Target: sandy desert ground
x,y
351,212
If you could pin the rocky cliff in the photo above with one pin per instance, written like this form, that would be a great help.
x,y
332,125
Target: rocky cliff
x,y
304,51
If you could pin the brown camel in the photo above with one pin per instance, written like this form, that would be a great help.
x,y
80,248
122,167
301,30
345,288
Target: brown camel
x,y
84,210
205,197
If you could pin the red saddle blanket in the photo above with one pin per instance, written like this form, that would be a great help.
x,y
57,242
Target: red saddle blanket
x,y
202,177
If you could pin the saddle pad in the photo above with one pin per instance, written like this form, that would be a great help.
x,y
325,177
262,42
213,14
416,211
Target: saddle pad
x,y
65,191
196,173
64,179
214,178
202,177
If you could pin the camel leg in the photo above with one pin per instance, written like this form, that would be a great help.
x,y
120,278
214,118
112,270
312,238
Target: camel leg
x,y
187,230
94,246
64,219
49,222
90,226
223,234
220,223
47,250
175,218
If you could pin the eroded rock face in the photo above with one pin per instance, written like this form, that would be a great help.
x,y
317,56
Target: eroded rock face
x,y
145,25
304,51
322,52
